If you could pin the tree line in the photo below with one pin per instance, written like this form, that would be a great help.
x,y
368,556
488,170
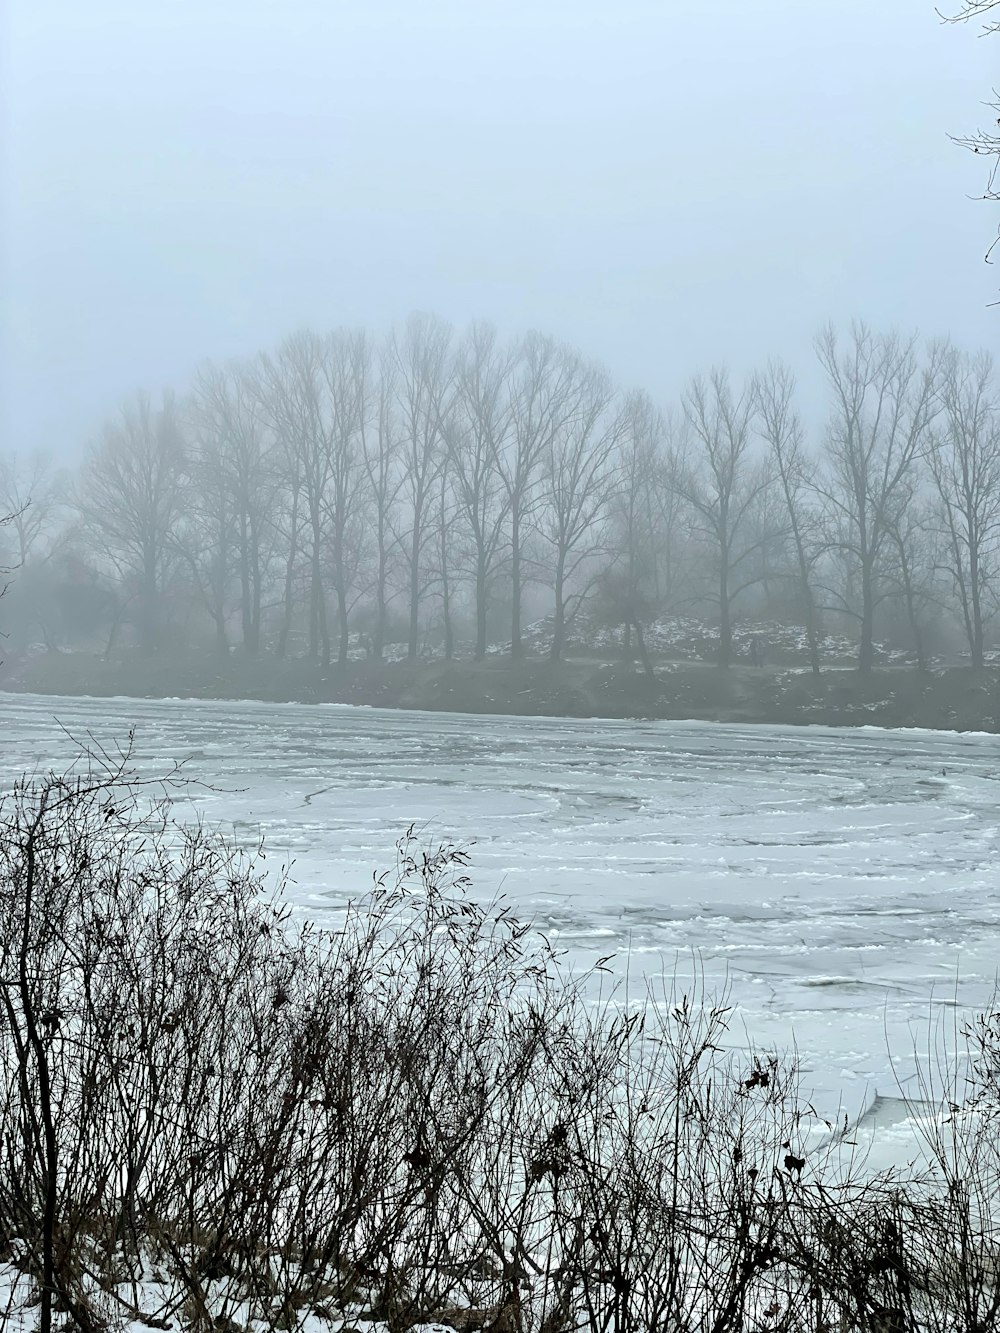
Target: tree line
x,y
431,488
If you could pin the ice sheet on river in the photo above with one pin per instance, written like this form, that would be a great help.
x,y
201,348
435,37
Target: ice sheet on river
x,y
843,882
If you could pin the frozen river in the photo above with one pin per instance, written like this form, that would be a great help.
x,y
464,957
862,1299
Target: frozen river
x,y
844,883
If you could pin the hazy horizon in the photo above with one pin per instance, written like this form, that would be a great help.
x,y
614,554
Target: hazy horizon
x,y
664,188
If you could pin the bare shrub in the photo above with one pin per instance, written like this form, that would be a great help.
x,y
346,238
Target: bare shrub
x,y
215,1115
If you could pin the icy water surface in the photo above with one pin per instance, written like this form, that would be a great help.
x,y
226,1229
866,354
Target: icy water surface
x,y
842,882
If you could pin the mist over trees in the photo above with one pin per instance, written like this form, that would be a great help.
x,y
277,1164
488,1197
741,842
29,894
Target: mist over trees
x,y
432,491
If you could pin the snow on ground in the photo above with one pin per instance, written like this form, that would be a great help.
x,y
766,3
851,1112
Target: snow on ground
x,y
680,638
689,638
842,883
128,1309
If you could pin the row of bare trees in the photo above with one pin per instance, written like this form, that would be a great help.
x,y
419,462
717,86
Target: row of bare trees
x,y
422,487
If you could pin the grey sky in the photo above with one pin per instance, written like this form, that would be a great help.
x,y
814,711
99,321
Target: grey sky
x,y
665,184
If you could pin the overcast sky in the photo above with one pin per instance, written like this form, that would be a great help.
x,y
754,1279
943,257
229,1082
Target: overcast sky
x,y
665,184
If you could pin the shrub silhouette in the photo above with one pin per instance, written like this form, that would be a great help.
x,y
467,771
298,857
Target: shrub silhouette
x,y
215,1114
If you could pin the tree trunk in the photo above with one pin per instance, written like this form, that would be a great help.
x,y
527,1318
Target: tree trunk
x,y
640,640
915,630
46,1143
911,610
411,647
480,608
868,546
249,588
812,629
516,648
116,622
219,596
148,615
976,646
315,590
252,640
245,611
812,632
289,599
725,621
378,639
559,618
866,649
344,635
324,630
449,636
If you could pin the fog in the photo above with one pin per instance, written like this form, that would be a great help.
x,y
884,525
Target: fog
x,y
666,186
499,666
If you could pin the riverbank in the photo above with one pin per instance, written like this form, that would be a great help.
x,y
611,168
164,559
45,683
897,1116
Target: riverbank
x,y
956,698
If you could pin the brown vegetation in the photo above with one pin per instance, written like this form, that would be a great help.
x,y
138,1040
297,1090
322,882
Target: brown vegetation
x,y
215,1115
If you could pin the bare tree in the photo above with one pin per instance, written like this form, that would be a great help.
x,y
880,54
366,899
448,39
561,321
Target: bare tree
x,y
911,567
985,143
478,441
965,466
34,531
724,485
380,450
31,492
236,445
290,526
781,428
130,498
631,591
884,401
446,525
205,536
580,477
425,393
667,518
346,371
291,391
5,520
543,400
